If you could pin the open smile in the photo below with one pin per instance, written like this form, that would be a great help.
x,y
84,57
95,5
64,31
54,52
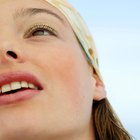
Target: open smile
x,y
18,86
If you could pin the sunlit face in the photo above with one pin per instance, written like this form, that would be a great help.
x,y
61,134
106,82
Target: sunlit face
x,y
46,47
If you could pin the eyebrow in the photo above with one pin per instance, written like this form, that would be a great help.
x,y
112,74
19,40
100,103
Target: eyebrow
x,y
35,11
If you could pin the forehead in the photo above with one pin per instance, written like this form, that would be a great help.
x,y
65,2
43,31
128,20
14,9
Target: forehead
x,y
19,5
16,3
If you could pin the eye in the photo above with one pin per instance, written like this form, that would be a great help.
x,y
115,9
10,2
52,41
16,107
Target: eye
x,y
40,30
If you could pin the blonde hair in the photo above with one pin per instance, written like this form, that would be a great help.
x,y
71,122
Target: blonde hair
x,y
106,123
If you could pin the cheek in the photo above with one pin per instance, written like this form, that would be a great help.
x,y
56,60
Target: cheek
x,y
71,83
67,70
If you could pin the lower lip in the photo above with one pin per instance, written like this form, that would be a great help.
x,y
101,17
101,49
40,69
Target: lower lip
x,y
18,96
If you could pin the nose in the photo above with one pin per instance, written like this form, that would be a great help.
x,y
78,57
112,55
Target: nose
x,y
10,54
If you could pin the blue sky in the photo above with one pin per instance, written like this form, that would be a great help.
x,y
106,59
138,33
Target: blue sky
x,y
115,26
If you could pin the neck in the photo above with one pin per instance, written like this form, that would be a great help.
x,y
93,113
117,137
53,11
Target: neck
x,y
86,134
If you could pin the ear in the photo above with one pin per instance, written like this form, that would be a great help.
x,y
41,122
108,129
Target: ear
x,y
99,91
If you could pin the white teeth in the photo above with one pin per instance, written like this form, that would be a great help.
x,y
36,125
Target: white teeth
x,y
31,85
24,84
6,88
15,85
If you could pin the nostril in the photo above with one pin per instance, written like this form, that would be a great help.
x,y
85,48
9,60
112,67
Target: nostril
x,y
11,54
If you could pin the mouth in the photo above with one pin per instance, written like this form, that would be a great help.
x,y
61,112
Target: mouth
x,y
18,86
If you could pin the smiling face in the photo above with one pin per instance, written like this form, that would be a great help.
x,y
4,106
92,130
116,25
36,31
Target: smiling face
x,y
45,46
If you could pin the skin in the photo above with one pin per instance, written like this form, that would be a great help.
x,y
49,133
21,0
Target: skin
x,y
62,110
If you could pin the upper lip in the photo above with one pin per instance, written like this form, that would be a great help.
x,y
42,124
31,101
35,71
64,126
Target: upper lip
x,y
6,78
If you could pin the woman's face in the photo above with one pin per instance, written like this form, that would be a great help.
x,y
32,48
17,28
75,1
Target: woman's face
x,y
46,47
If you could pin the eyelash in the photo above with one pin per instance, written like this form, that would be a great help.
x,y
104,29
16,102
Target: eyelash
x,y
39,27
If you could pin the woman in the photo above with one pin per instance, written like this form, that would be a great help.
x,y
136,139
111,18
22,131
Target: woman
x,y
51,87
